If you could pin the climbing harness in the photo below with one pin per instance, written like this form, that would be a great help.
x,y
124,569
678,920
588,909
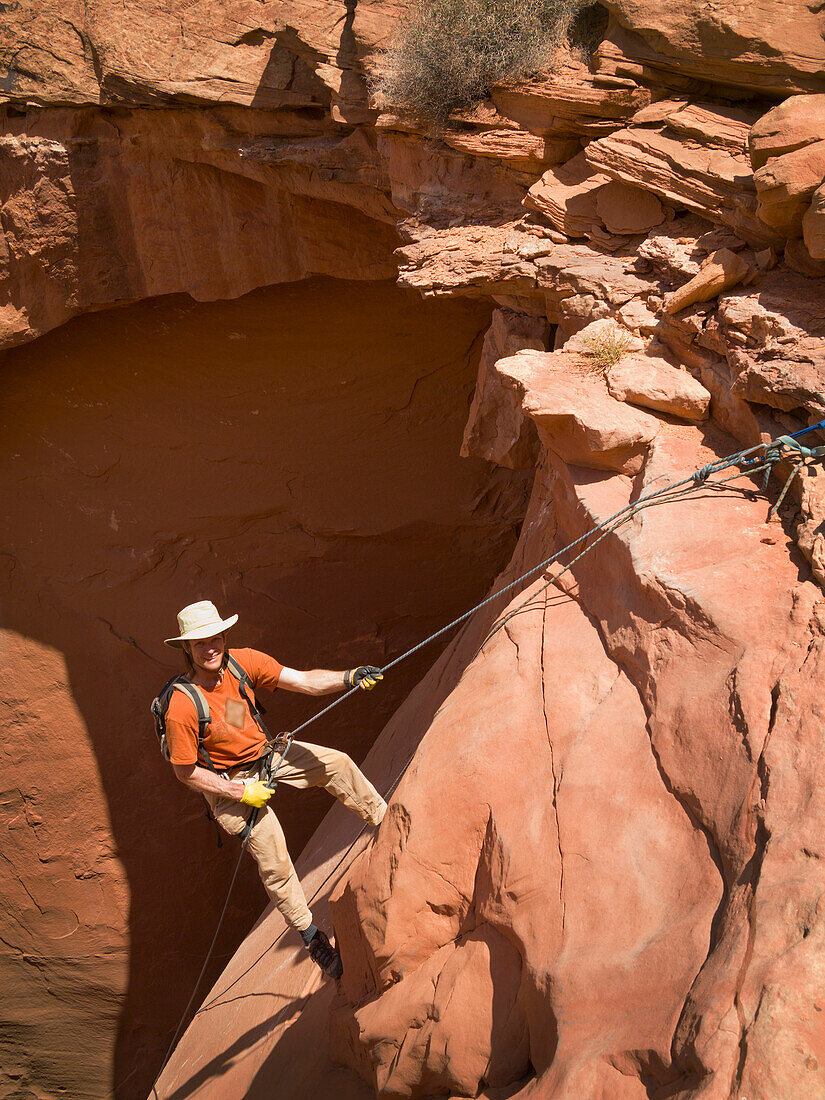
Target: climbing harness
x,y
761,458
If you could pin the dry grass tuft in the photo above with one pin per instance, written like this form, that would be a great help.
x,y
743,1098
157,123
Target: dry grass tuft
x,y
449,53
606,348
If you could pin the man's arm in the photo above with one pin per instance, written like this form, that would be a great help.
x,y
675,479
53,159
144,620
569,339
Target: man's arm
x,y
201,779
316,681
321,681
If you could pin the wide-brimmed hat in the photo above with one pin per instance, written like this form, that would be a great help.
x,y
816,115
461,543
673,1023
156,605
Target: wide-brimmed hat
x,y
199,620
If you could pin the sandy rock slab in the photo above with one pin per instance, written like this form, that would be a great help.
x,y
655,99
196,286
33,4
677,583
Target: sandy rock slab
x,y
653,383
575,415
748,44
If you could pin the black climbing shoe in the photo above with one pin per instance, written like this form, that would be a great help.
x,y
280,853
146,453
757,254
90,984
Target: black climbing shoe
x,y
325,955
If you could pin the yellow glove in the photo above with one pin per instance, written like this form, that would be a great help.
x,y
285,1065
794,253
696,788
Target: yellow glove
x,y
365,676
256,794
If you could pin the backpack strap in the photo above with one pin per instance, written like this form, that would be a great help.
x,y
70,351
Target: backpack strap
x,y
244,686
202,711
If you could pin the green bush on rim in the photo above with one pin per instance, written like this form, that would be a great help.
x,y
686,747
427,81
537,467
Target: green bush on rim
x,y
449,53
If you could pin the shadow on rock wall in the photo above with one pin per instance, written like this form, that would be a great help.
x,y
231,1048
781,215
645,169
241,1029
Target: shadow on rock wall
x,y
292,455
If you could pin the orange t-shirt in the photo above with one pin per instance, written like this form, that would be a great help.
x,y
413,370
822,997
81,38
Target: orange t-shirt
x,y
232,737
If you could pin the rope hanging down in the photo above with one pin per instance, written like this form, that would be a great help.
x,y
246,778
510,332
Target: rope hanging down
x,y
761,458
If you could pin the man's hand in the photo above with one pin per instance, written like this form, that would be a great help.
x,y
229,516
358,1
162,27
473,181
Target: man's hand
x,y
256,794
365,676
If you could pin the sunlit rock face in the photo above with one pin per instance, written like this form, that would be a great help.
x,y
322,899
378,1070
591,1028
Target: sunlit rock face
x,y
292,455
598,876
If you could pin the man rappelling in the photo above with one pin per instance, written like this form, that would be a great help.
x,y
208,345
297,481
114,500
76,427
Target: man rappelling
x,y
212,733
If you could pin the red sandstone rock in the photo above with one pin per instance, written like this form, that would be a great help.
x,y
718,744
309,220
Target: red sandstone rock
x,y
797,122
745,44
628,210
284,177
650,381
497,428
530,152
718,273
798,258
813,225
575,416
786,184
83,227
684,162
433,182
474,259
638,316
566,196
574,269
571,102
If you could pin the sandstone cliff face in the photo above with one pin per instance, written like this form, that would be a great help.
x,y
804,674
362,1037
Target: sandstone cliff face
x,y
246,452
600,875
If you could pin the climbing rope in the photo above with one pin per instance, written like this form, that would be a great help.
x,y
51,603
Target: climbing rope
x,y
761,458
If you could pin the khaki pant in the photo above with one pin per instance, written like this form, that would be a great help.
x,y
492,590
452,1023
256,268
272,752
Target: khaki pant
x,y
304,766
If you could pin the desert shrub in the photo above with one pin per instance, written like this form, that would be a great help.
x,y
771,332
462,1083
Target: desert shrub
x,y
448,53
606,348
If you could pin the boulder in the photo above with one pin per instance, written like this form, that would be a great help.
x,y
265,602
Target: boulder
x,y
653,383
797,122
575,416
813,225
718,273
567,197
628,210
785,186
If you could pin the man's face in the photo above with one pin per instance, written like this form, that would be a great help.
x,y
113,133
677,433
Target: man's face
x,y
207,653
